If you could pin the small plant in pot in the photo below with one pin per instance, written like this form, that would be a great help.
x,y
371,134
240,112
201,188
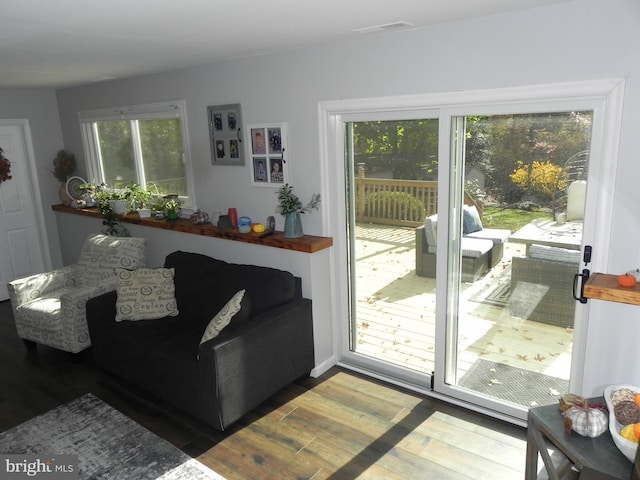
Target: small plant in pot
x,y
105,201
139,199
290,206
172,206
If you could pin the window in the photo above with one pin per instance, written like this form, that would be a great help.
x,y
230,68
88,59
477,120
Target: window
x,y
143,144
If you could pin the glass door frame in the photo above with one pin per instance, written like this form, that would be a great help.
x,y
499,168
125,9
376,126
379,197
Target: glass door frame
x,y
604,97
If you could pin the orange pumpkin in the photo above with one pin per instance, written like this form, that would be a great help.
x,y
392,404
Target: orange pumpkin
x,y
626,280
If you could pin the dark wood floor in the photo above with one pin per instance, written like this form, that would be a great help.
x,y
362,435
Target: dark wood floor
x,y
339,426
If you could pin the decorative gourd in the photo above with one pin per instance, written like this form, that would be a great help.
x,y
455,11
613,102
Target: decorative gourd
x,y
626,280
589,422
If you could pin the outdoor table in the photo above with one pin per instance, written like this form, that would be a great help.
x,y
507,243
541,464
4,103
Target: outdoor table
x,y
549,233
597,454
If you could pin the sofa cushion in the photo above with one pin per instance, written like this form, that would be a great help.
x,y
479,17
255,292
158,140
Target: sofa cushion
x,y
102,254
237,309
470,219
145,294
198,279
431,232
204,284
267,287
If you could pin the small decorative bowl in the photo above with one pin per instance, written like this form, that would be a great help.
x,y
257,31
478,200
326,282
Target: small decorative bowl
x,y
627,447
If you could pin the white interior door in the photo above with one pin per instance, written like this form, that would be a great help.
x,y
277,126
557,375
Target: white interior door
x,y
19,231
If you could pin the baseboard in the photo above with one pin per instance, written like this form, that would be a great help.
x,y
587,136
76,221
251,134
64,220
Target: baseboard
x,y
324,366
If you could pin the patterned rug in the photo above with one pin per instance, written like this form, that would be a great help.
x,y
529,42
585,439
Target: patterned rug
x,y
512,384
109,445
497,292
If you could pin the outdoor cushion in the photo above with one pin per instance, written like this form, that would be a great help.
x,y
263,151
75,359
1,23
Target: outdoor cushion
x,y
470,220
431,232
475,247
496,235
576,197
555,254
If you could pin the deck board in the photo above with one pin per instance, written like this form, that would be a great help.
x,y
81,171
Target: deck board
x,y
396,312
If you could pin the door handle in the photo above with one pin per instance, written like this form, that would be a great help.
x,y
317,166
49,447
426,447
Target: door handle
x,y
582,278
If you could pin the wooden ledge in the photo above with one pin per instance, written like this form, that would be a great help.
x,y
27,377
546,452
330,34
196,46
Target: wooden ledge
x,y
604,286
305,244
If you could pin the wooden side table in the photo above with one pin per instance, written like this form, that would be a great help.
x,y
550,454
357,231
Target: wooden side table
x,y
600,454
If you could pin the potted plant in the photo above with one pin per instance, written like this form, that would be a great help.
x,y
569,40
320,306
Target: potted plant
x,y
290,206
105,200
63,167
172,206
138,198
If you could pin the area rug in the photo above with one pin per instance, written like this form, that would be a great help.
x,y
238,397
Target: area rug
x,y
513,384
497,292
109,445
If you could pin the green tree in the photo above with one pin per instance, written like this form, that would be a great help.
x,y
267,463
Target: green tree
x,y
407,148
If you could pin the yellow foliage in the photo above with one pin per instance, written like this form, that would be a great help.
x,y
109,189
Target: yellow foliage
x,y
541,177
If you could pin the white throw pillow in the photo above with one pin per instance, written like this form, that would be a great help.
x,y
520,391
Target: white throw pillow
x,y
223,317
145,294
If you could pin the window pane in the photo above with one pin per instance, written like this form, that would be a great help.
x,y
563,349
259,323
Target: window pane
x,y
162,155
405,150
116,152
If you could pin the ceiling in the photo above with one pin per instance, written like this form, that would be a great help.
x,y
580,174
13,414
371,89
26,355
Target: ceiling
x,y
64,43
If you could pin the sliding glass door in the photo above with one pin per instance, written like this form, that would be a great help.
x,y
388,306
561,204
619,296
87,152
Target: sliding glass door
x,y
510,312
460,230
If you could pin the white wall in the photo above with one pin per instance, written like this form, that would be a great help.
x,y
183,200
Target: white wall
x,y
39,107
577,40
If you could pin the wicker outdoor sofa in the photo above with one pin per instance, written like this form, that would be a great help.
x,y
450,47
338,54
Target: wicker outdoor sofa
x,y
482,249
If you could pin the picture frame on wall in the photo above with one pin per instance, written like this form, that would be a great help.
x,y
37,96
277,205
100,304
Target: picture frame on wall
x,y
268,151
225,134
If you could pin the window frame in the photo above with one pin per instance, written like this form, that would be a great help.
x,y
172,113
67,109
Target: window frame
x,y
149,111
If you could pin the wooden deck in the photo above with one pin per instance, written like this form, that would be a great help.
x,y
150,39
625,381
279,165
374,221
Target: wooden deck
x,y
396,312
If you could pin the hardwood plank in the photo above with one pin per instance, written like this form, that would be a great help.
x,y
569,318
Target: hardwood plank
x,y
341,425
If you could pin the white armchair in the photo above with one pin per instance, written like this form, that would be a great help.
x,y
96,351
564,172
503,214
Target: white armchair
x,y
50,308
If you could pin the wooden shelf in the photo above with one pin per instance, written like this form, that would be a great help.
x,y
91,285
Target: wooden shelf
x,y
305,244
602,286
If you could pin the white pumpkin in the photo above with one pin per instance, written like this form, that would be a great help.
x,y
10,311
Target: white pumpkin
x,y
589,422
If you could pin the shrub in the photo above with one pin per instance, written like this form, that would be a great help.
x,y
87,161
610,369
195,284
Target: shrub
x,y
394,205
540,178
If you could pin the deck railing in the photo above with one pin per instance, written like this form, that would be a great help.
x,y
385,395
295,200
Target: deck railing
x,y
397,202
394,202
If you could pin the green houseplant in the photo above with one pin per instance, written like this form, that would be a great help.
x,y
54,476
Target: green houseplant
x,y
290,206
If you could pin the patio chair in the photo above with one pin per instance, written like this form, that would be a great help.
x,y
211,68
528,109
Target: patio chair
x,y
541,285
472,228
50,308
476,253
571,186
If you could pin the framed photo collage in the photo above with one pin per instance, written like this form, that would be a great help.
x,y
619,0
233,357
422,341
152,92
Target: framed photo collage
x,y
268,159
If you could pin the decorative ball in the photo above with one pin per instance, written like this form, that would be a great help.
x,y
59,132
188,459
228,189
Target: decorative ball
x,y
622,395
626,412
258,228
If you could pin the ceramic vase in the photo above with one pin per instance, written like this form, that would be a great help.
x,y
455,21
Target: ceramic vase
x,y
292,225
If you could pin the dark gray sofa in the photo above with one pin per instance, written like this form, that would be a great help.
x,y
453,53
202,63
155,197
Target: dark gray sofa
x,y
227,376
